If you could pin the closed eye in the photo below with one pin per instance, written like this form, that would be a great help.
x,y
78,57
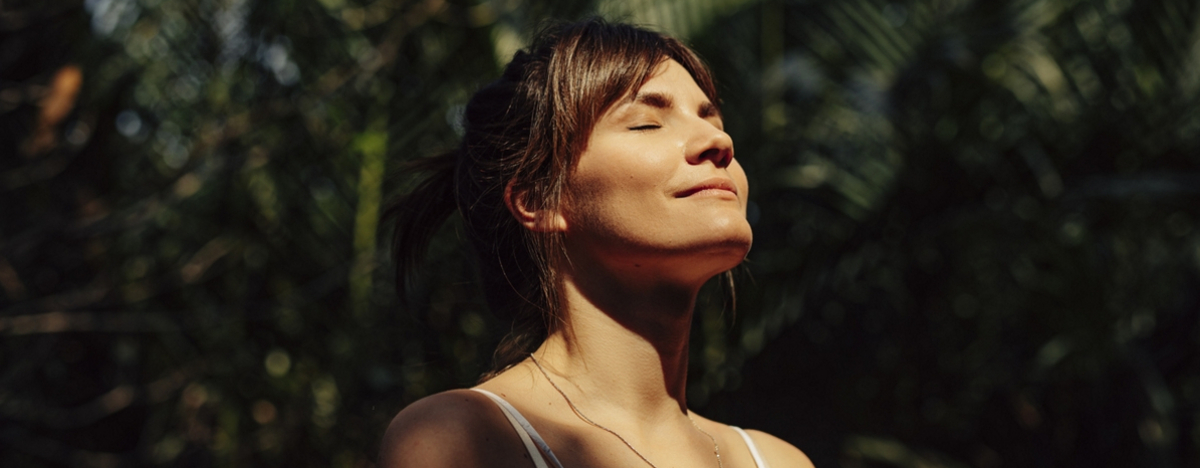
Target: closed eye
x,y
642,128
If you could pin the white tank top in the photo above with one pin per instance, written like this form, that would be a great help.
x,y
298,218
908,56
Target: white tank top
x,y
541,453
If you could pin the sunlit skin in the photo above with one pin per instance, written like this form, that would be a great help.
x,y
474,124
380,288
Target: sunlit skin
x,y
654,208
658,196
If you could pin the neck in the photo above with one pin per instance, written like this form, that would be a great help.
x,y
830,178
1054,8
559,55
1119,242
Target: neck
x,y
623,344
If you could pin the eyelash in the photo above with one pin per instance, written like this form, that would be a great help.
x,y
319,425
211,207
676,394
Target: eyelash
x,y
642,128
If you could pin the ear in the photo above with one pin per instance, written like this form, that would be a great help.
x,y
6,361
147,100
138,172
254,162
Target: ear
x,y
534,219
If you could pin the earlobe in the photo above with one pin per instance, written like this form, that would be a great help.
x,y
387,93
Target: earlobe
x,y
534,219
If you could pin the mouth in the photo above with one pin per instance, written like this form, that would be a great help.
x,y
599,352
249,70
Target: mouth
x,y
715,185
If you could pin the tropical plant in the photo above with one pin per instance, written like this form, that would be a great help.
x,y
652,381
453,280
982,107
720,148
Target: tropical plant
x,y
975,226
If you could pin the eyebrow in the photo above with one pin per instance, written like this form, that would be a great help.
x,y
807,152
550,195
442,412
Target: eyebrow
x,y
665,101
655,100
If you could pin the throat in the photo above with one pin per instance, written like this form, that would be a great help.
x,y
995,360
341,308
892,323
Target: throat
x,y
617,372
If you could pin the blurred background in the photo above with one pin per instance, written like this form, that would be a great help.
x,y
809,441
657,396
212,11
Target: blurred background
x,y
977,226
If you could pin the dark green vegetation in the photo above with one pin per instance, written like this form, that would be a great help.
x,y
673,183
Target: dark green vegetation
x,y
977,226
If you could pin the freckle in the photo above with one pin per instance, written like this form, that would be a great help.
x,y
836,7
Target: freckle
x,y
637,265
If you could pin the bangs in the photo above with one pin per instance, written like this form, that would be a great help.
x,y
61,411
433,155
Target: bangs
x,y
598,66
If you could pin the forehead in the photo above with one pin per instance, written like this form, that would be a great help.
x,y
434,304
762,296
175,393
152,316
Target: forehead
x,y
669,86
672,79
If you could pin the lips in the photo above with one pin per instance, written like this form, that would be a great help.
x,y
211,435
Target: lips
x,y
715,183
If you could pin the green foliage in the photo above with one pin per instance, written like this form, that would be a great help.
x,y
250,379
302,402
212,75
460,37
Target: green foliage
x,y
976,241
975,225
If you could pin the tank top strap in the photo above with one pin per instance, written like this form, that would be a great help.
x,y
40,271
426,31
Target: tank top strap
x,y
758,459
529,435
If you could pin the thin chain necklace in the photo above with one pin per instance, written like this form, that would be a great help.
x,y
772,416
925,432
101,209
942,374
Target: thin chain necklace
x,y
716,448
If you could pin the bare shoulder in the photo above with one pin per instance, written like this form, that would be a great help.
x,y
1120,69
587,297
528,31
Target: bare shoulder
x,y
452,428
777,452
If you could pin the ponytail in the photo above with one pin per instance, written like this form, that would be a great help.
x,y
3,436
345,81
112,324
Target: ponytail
x,y
419,215
508,277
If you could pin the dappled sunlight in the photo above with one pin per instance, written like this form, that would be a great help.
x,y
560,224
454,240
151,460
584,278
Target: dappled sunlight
x,y
975,223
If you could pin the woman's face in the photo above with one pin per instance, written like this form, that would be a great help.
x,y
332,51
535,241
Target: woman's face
x,y
658,185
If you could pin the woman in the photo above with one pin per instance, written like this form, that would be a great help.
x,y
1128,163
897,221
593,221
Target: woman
x,y
600,191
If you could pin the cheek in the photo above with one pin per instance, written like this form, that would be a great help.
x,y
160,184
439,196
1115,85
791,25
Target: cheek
x,y
624,179
589,202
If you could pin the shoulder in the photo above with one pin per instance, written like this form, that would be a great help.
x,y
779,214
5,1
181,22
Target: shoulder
x,y
452,428
777,452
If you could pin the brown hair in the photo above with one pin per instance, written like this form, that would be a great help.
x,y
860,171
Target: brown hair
x,y
528,128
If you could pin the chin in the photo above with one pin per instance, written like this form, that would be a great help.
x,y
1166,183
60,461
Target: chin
x,y
730,251
736,234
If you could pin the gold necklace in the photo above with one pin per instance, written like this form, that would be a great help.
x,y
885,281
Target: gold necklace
x,y
716,448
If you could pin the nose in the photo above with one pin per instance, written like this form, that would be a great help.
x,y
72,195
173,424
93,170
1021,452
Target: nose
x,y
710,144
